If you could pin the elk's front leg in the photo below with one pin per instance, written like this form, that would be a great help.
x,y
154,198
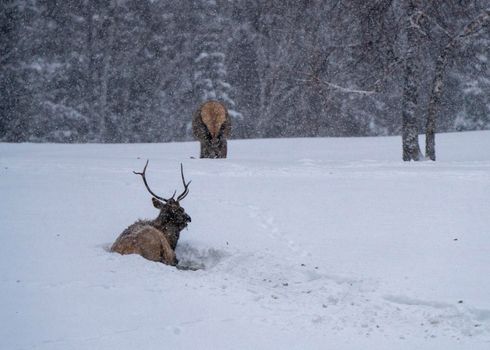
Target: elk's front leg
x,y
167,253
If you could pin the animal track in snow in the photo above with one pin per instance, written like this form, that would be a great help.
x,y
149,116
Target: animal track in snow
x,y
444,316
267,222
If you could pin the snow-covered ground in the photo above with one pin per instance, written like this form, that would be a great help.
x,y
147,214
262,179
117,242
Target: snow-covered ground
x,y
301,244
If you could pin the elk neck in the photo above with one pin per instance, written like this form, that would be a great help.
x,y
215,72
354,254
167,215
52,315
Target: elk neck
x,y
169,229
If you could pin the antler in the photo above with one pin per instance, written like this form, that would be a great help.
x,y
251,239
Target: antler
x,y
143,175
179,198
186,186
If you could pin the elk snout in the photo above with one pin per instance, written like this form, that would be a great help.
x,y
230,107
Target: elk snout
x,y
187,218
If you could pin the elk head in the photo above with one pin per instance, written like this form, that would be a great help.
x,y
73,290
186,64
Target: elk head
x,y
172,216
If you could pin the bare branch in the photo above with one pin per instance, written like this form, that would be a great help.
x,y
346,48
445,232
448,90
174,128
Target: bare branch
x,y
348,90
435,22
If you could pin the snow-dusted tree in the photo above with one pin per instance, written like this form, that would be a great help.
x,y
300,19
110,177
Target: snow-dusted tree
x,y
438,82
136,70
411,148
14,94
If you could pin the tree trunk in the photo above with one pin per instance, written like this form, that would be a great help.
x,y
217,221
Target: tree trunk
x,y
410,142
438,82
91,75
435,98
107,129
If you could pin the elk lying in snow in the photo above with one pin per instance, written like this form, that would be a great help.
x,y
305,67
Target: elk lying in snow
x,y
156,239
211,126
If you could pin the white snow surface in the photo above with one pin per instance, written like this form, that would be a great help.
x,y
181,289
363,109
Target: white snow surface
x,y
326,243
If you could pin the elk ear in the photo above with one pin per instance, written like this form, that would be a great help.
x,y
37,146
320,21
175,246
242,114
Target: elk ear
x,y
156,203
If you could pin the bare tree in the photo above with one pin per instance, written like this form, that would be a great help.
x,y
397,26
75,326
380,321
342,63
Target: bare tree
x,y
410,142
438,83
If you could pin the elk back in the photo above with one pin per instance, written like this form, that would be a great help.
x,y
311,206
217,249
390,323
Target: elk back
x,y
213,115
143,239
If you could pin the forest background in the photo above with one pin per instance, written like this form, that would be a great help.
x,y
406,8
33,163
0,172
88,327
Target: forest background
x,y
136,70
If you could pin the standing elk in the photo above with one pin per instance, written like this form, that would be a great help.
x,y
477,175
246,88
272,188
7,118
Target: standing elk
x,y
156,239
211,126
